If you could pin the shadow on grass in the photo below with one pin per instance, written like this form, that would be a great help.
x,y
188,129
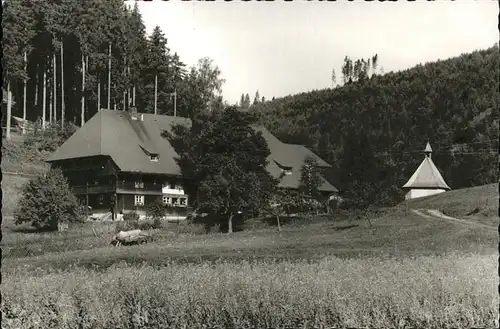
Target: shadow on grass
x,y
32,230
346,227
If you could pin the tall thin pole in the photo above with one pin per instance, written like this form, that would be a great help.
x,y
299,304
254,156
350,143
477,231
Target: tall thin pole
x,y
50,104
24,99
133,96
62,86
109,76
156,89
129,98
99,93
36,84
125,89
9,109
55,85
86,72
82,115
175,103
44,104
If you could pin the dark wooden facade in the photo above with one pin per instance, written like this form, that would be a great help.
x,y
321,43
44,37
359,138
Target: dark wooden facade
x,y
97,182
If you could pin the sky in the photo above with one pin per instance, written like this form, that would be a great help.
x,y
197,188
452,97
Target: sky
x,y
281,48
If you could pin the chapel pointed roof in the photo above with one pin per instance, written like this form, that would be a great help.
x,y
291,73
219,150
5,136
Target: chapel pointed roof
x,y
427,175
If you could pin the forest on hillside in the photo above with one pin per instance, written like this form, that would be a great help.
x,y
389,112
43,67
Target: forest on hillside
x,y
65,59
374,130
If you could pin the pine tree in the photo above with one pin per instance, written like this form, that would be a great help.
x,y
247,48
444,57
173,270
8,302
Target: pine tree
x,y
79,77
17,23
137,50
156,74
374,63
257,98
247,101
242,101
347,70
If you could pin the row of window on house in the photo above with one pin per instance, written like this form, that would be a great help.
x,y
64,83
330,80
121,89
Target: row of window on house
x,y
139,200
170,186
140,184
167,200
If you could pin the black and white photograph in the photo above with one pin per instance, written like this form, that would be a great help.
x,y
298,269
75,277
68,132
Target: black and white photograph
x,y
250,164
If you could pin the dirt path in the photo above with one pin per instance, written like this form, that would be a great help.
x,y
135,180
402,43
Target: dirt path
x,y
438,214
418,212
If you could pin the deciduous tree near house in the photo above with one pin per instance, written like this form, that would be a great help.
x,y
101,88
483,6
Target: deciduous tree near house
x,y
156,210
283,202
226,159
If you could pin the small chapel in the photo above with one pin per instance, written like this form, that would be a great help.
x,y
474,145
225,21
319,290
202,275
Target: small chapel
x,y
426,180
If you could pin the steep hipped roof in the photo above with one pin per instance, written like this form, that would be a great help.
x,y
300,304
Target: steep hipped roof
x,y
115,134
290,156
427,175
129,142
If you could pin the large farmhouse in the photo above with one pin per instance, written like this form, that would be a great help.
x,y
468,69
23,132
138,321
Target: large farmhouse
x,y
120,160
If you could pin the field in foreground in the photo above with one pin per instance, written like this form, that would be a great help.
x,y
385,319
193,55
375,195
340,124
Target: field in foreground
x,y
423,292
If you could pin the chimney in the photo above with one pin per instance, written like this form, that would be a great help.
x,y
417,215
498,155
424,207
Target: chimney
x,y
133,113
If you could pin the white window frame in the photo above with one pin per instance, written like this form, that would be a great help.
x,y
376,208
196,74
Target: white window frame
x,y
139,184
183,202
139,200
167,200
154,158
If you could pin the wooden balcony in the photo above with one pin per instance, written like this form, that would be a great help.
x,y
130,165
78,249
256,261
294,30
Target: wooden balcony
x,y
93,189
146,188
132,186
121,188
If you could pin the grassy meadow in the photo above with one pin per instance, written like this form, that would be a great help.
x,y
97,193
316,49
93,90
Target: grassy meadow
x,y
477,204
396,269
426,291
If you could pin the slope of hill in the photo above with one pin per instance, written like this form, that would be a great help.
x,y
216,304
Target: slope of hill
x,y
17,158
478,203
11,189
374,131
